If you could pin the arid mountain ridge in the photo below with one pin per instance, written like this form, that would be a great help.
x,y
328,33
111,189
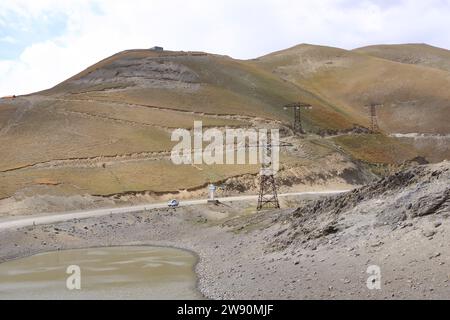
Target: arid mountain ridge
x,y
106,131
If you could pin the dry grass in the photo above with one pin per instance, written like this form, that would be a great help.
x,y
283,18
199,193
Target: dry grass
x,y
6,114
43,135
420,54
376,148
146,115
338,83
351,80
155,176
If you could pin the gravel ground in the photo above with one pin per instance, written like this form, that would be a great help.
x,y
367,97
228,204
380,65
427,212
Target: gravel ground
x,y
313,252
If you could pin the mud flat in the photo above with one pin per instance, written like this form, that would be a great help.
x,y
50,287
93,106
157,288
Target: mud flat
x,y
319,249
104,273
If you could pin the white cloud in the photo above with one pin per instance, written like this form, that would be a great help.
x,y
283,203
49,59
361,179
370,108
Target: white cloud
x,y
242,29
8,39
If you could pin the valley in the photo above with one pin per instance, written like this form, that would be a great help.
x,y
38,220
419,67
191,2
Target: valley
x,y
87,164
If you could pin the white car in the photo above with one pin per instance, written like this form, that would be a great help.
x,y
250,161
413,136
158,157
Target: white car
x,y
173,203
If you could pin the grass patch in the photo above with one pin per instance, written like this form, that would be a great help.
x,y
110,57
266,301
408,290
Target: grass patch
x,y
376,148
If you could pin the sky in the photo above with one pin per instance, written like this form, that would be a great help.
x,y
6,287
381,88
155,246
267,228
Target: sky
x,y
43,42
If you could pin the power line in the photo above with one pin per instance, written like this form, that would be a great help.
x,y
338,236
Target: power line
x,y
297,106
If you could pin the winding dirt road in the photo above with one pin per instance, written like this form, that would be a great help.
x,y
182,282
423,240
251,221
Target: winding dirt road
x,y
60,217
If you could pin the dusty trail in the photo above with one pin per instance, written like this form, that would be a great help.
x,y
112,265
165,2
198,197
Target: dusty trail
x,y
92,161
60,217
173,110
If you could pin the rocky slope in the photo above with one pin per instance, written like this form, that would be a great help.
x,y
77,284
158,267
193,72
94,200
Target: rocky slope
x,y
322,250
395,201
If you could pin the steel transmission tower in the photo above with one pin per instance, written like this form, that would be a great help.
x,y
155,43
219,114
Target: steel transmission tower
x,y
374,128
297,106
268,196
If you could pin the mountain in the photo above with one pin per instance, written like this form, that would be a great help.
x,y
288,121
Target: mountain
x,y
194,81
105,132
413,53
412,98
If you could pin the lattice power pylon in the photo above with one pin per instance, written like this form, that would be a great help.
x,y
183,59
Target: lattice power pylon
x,y
374,128
297,106
268,195
373,119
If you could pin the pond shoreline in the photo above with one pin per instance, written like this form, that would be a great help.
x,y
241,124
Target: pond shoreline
x,y
135,272
236,257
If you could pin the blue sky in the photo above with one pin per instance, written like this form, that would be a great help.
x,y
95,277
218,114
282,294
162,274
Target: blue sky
x,y
43,42
17,34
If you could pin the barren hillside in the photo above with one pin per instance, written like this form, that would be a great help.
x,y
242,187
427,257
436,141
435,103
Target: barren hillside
x,y
411,97
104,134
413,53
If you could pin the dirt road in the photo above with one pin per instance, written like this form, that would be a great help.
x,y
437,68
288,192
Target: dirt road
x,y
60,217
